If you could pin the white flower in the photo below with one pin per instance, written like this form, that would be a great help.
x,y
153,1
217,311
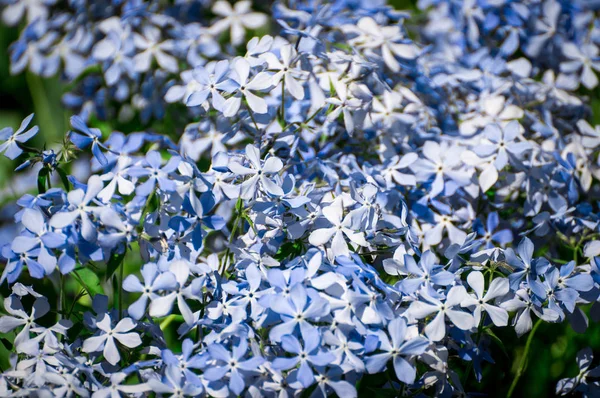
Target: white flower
x,y
498,288
343,105
152,47
286,71
387,38
259,172
342,226
105,342
162,306
436,329
237,19
244,87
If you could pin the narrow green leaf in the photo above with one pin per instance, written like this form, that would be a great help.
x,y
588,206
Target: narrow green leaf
x,y
63,178
41,180
113,264
496,340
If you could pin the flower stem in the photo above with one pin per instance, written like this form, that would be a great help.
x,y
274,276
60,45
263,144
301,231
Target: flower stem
x,y
283,101
121,290
61,289
523,363
251,116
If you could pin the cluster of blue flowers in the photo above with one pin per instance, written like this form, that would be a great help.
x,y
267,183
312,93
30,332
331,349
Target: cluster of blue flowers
x,y
321,191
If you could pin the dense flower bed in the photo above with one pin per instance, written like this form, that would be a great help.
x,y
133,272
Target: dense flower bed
x,y
285,200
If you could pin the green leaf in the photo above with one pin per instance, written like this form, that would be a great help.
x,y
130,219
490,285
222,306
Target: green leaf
x,y
113,264
332,91
152,203
289,249
6,343
496,340
41,179
6,348
63,178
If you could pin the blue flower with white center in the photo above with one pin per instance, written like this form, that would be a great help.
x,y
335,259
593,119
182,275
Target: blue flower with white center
x,y
108,335
10,147
79,209
526,267
259,174
154,282
297,311
232,365
303,355
436,329
202,83
341,227
155,171
523,304
488,234
398,348
183,289
243,86
497,288
19,318
330,378
427,273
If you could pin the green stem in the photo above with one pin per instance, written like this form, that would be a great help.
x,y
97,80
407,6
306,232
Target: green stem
x,y
283,101
79,295
303,123
239,213
115,292
78,278
121,277
61,289
251,116
523,363
223,267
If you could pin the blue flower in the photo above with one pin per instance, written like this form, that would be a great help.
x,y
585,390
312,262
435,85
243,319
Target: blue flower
x,y
156,173
297,310
154,281
83,136
10,147
233,363
427,273
175,383
436,328
488,233
581,383
399,349
105,340
305,356
79,208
